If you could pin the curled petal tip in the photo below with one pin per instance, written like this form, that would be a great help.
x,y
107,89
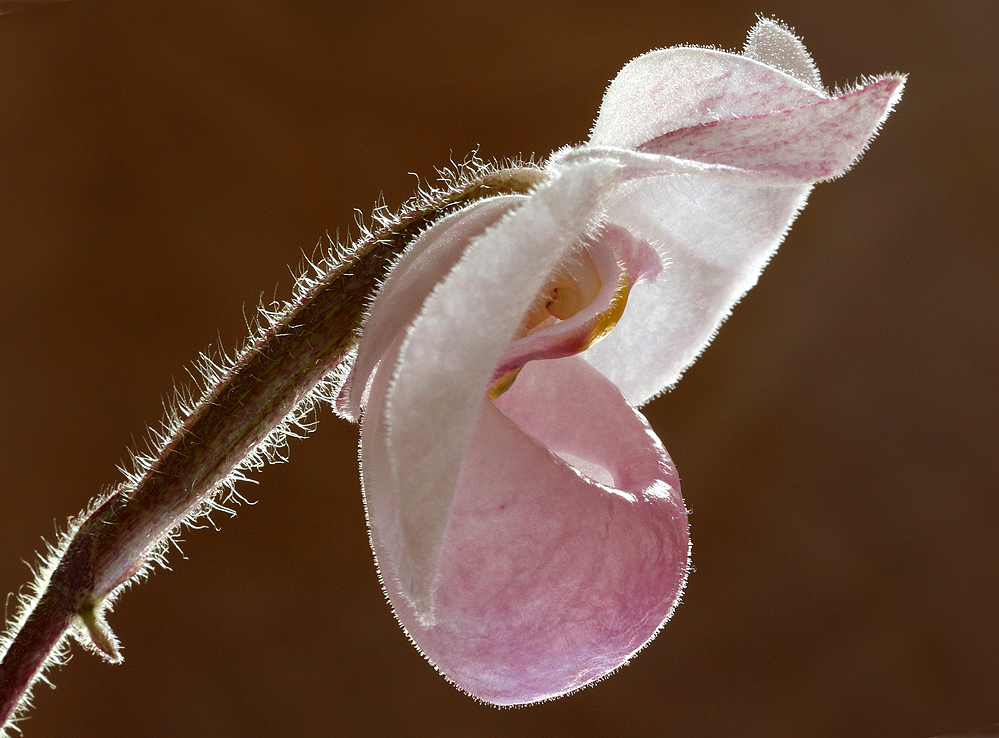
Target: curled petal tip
x,y
773,43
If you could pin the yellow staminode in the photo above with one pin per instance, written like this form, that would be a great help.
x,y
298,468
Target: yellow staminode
x,y
572,289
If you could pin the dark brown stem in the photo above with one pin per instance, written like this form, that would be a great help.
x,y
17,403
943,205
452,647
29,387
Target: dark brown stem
x,y
270,380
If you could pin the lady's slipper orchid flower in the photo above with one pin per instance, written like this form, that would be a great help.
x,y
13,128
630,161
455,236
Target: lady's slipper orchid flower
x,y
526,520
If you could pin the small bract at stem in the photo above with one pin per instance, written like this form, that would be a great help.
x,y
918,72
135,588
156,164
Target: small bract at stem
x,y
238,421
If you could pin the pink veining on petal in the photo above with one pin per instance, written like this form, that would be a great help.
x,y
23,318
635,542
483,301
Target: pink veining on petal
x,y
807,144
666,90
547,579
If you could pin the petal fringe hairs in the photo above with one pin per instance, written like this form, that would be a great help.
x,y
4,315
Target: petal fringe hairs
x,y
526,521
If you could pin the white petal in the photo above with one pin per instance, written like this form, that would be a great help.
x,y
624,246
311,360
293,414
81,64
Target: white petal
x,y
381,498
639,165
715,238
665,90
775,45
452,348
717,231
425,263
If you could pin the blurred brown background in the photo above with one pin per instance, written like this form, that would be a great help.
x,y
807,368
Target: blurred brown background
x,y
162,162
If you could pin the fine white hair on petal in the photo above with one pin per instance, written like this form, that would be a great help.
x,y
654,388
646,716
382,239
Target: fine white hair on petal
x,y
708,157
773,43
807,144
636,166
453,346
715,237
718,226
424,263
666,90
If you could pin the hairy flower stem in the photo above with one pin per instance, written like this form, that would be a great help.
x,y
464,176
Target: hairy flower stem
x,y
277,373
